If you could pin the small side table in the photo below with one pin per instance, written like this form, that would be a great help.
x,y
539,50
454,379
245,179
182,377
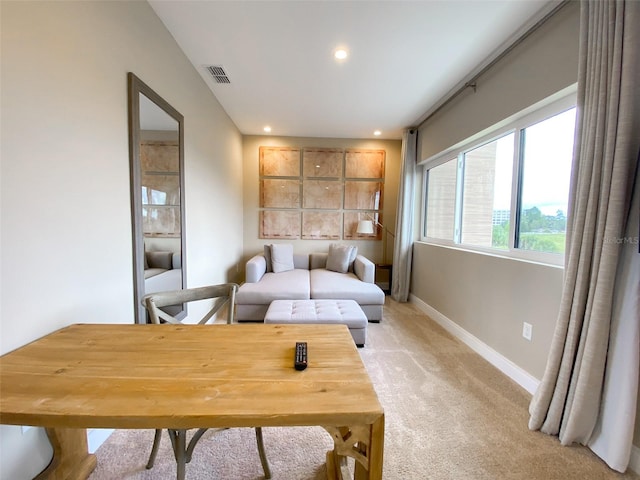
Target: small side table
x,y
389,268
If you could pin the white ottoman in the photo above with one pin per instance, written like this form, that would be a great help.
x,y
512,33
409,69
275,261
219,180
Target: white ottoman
x,y
343,312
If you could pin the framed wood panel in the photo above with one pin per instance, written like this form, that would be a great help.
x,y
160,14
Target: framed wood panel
x,y
280,224
279,193
360,163
363,195
161,221
322,194
321,225
350,225
322,162
159,156
279,162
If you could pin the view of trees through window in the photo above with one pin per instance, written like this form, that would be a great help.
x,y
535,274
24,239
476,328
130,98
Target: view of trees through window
x,y
542,233
546,169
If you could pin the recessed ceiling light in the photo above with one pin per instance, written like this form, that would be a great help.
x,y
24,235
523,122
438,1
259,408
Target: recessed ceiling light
x,y
340,53
267,129
377,133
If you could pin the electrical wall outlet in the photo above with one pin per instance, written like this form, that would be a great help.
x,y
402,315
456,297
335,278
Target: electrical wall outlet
x,y
527,330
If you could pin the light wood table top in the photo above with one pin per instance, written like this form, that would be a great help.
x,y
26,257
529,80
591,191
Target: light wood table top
x,y
193,376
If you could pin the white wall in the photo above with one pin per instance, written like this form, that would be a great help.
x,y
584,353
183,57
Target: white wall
x,y
371,249
65,209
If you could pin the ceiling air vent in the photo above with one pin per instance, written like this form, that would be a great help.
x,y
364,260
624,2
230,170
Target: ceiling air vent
x,y
218,74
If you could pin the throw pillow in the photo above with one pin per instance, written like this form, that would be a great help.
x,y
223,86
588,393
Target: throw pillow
x,y
282,257
339,257
267,257
352,258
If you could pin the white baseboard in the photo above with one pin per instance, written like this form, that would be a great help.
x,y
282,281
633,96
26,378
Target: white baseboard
x,y
502,363
97,436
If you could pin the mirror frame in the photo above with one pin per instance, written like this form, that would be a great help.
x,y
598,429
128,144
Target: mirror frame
x,y
135,88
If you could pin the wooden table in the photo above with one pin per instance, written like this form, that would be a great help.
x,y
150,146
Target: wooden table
x,y
180,377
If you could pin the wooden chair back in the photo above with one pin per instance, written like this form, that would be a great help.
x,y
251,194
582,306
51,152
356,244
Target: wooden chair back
x,y
222,294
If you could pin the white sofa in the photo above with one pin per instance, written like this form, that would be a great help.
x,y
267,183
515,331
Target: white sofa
x,y
309,279
162,271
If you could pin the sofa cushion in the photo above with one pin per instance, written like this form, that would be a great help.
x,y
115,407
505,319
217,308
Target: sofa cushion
x,y
341,257
282,257
334,285
158,259
290,285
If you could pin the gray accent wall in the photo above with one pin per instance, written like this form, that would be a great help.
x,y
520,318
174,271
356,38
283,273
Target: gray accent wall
x,y
490,297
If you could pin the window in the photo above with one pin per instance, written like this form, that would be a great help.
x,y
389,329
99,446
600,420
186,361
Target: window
x,y
441,200
507,191
546,168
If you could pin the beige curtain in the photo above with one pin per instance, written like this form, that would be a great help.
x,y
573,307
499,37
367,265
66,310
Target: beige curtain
x,y
403,246
569,399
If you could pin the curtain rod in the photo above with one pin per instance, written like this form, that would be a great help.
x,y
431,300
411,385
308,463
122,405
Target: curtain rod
x,y
474,77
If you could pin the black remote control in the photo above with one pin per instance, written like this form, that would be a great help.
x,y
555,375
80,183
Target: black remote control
x,y
300,362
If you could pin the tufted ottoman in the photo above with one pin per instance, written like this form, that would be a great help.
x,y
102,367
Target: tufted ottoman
x,y
344,312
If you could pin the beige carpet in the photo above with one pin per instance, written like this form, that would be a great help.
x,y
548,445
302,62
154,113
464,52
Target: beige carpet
x,y
449,415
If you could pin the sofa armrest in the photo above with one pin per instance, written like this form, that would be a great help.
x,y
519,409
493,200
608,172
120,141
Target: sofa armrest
x,y
176,260
364,269
255,268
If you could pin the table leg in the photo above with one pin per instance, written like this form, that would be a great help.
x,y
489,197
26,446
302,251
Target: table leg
x,y
363,443
71,458
375,454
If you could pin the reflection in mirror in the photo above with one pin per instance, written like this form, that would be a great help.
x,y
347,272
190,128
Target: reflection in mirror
x,y
157,191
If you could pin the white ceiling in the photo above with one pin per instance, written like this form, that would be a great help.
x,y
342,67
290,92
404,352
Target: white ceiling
x,y
405,56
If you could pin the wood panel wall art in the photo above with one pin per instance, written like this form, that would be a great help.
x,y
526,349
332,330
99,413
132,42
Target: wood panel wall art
x,y
323,195
279,193
350,223
360,163
280,224
279,162
363,195
160,181
322,162
319,193
321,225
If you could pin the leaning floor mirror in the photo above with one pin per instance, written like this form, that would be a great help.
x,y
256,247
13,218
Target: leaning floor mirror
x,y
156,149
